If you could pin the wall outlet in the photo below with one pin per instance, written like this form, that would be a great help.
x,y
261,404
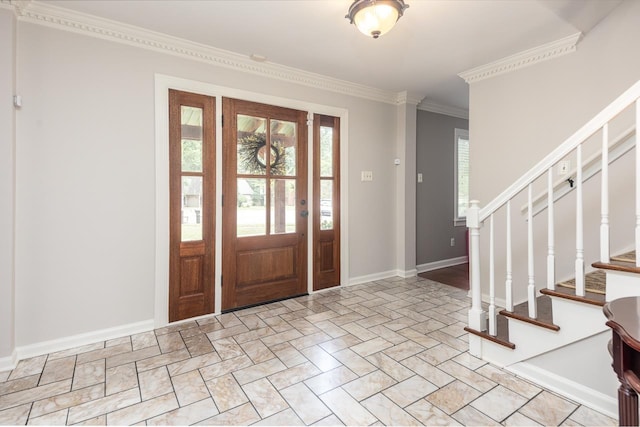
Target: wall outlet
x,y
419,177
563,167
366,176
453,241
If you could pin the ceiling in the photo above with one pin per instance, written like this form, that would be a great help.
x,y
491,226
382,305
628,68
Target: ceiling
x,y
423,54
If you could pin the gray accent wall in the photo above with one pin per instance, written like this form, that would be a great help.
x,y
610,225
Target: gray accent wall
x,y
435,194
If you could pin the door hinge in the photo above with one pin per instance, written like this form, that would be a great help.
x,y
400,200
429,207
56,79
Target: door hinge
x,y
221,120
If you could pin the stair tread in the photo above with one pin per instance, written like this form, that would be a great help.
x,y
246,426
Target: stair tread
x,y
629,257
594,281
617,266
502,335
569,293
544,312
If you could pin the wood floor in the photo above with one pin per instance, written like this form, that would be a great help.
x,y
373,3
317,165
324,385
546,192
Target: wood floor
x,y
457,276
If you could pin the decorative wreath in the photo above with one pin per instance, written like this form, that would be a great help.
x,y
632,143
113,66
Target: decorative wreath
x,y
252,156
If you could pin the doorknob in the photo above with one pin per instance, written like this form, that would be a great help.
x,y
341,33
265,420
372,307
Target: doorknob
x,y
304,213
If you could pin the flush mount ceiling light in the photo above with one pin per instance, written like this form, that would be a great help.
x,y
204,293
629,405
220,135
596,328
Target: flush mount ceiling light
x,y
375,17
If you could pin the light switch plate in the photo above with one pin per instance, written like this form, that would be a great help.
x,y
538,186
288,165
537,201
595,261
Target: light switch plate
x,y
366,176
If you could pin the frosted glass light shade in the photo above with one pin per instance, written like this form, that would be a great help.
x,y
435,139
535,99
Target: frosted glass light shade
x,y
375,17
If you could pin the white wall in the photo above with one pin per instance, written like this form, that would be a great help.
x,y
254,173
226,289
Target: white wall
x,y
518,118
7,183
85,178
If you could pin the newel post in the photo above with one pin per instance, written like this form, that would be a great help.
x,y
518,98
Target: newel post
x,y
477,317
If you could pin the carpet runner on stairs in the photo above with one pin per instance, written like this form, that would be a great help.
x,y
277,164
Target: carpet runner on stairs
x,y
596,280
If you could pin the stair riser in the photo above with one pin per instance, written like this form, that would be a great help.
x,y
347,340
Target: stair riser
x,y
621,284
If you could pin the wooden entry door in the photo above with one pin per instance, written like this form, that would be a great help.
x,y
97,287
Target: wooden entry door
x,y
191,204
326,190
264,237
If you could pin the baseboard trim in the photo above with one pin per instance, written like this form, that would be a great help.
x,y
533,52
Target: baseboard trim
x,y
372,277
9,362
575,391
46,347
405,274
442,264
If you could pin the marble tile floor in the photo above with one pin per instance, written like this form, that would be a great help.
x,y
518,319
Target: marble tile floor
x,y
390,352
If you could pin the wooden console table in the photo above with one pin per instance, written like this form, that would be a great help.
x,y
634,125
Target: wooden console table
x,y
624,319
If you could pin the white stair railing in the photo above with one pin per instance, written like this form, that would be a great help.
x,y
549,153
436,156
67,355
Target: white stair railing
x,y
476,217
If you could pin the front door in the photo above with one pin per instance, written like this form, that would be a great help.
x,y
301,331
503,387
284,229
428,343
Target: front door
x,y
191,204
265,211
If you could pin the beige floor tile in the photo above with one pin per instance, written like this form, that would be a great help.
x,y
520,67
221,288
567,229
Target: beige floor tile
x,y
281,337
457,343
310,340
225,367
264,397
132,356
117,341
305,403
388,412
261,370
304,327
242,415
103,353
358,364
76,350
372,346
33,394
257,351
228,332
392,368
428,371
403,350
251,321
89,374
227,348
293,375
198,344
186,415
510,381
190,388
323,360
96,421
18,384
331,420
409,391
28,367
154,383
519,420
466,375
499,403
58,418
415,336
368,385
429,414
103,405
438,354
288,354
340,343
320,317
358,331
193,363
284,418
176,327
120,378
143,340
257,334
548,409
15,416
4,375
470,416
347,408
67,400
226,392
162,360
330,380
142,411
469,361
589,417
58,369
171,342
381,331
453,396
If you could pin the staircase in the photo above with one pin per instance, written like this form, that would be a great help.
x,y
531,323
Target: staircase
x,y
554,333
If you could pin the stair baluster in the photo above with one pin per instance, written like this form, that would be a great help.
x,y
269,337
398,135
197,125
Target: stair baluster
x,y
531,289
579,271
492,284
604,194
551,261
637,185
509,276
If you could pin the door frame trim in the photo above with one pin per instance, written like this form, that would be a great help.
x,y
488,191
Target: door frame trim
x,y
162,85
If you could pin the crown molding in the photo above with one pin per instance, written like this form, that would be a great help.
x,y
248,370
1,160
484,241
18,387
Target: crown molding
x,y
36,12
408,98
443,109
17,6
523,59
